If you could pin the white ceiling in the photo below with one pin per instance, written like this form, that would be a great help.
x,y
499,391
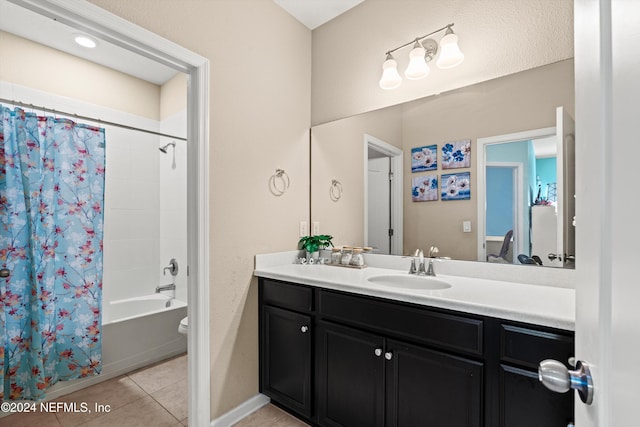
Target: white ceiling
x,y
29,25
314,13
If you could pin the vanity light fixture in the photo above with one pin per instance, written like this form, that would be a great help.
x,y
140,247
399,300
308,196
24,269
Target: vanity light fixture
x,y
423,51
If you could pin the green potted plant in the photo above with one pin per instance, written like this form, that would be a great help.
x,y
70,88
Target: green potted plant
x,y
313,244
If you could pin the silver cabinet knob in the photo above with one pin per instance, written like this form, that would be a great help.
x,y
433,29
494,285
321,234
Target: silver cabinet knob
x,y
388,355
554,257
5,272
557,377
304,329
377,352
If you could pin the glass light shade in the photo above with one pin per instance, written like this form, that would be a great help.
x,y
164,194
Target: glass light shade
x,y
450,54
417,68
390,77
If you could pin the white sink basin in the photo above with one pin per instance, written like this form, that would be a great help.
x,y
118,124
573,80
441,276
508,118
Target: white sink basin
x,y
407,281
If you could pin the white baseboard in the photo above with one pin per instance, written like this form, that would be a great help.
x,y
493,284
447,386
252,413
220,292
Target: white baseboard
x,y
241,411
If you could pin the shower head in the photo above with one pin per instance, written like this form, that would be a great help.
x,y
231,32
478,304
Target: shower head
x,y
164,149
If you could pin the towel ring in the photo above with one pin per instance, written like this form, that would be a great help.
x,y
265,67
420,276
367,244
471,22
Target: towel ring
x,y
279,182
335,191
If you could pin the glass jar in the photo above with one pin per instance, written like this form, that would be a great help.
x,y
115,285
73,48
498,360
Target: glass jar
x,y
336,255
357,258
345,255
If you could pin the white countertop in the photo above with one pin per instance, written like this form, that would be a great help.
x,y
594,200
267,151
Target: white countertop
x,y
536,304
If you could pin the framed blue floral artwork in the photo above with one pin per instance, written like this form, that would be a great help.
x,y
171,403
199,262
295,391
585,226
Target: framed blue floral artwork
x,y
456,186
456,154
424,188
424,158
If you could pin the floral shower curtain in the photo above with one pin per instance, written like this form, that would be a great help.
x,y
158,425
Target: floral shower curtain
x,y
51,226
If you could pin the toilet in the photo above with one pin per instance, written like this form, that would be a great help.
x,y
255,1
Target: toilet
x,y
183,328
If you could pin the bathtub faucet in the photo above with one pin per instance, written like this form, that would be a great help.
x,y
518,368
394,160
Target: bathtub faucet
x,y
169,287
173,268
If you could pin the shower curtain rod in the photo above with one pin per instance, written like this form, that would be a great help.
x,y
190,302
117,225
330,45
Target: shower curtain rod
x,y
79,117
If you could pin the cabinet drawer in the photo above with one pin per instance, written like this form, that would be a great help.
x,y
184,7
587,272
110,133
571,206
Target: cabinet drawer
x,y
528,347
287,295
399,320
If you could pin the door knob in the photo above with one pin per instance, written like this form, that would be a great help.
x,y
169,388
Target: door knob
x,y
5,272
558,378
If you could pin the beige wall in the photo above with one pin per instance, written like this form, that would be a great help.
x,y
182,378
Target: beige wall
x,y
337,151
40,67
498,37
260,114
518,102
173,96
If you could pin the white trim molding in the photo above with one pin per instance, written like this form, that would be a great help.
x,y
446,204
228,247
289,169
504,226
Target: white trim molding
x,y
106,26
241,411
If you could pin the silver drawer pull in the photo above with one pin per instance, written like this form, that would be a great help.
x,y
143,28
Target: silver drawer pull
x,y
388,355
304,329
377,352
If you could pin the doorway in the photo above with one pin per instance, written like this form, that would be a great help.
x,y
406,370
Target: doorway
x,y
383,196
110,28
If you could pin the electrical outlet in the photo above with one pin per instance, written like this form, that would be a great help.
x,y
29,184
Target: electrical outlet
x,y
466,226
316,228
303,229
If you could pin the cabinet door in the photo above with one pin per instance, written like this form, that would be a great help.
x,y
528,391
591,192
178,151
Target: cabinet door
x,y
350,377
286,358
427,388
527,403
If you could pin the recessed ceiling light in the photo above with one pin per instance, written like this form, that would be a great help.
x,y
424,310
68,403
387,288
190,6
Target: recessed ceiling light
x,y
85,41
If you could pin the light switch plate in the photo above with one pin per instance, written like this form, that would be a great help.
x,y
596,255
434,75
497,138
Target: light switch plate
x,y
466,226
316,228
303,229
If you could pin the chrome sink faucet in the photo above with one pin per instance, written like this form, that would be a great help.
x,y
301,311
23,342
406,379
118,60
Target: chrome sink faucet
x,y
433,251
420,269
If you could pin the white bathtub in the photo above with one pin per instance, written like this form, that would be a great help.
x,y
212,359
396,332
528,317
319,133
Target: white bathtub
x,y
135,332
131,308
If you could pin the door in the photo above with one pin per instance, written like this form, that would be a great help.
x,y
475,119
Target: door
x,y
390,216
426,388
379,204
286,370
350,377
608,125
566,169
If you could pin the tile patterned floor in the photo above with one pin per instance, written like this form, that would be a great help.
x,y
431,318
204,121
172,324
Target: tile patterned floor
x,y
152,396
270,416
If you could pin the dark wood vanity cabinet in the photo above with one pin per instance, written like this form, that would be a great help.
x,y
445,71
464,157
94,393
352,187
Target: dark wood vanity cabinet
x,y
370,362
286,345
524,401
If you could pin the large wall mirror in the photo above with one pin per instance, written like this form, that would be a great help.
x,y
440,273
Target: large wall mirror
x,y
383,203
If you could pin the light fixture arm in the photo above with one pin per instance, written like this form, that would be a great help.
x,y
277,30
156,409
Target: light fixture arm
x,y
419,39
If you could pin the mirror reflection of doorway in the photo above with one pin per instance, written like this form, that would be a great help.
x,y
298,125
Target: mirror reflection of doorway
x,y
383,196
543,231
